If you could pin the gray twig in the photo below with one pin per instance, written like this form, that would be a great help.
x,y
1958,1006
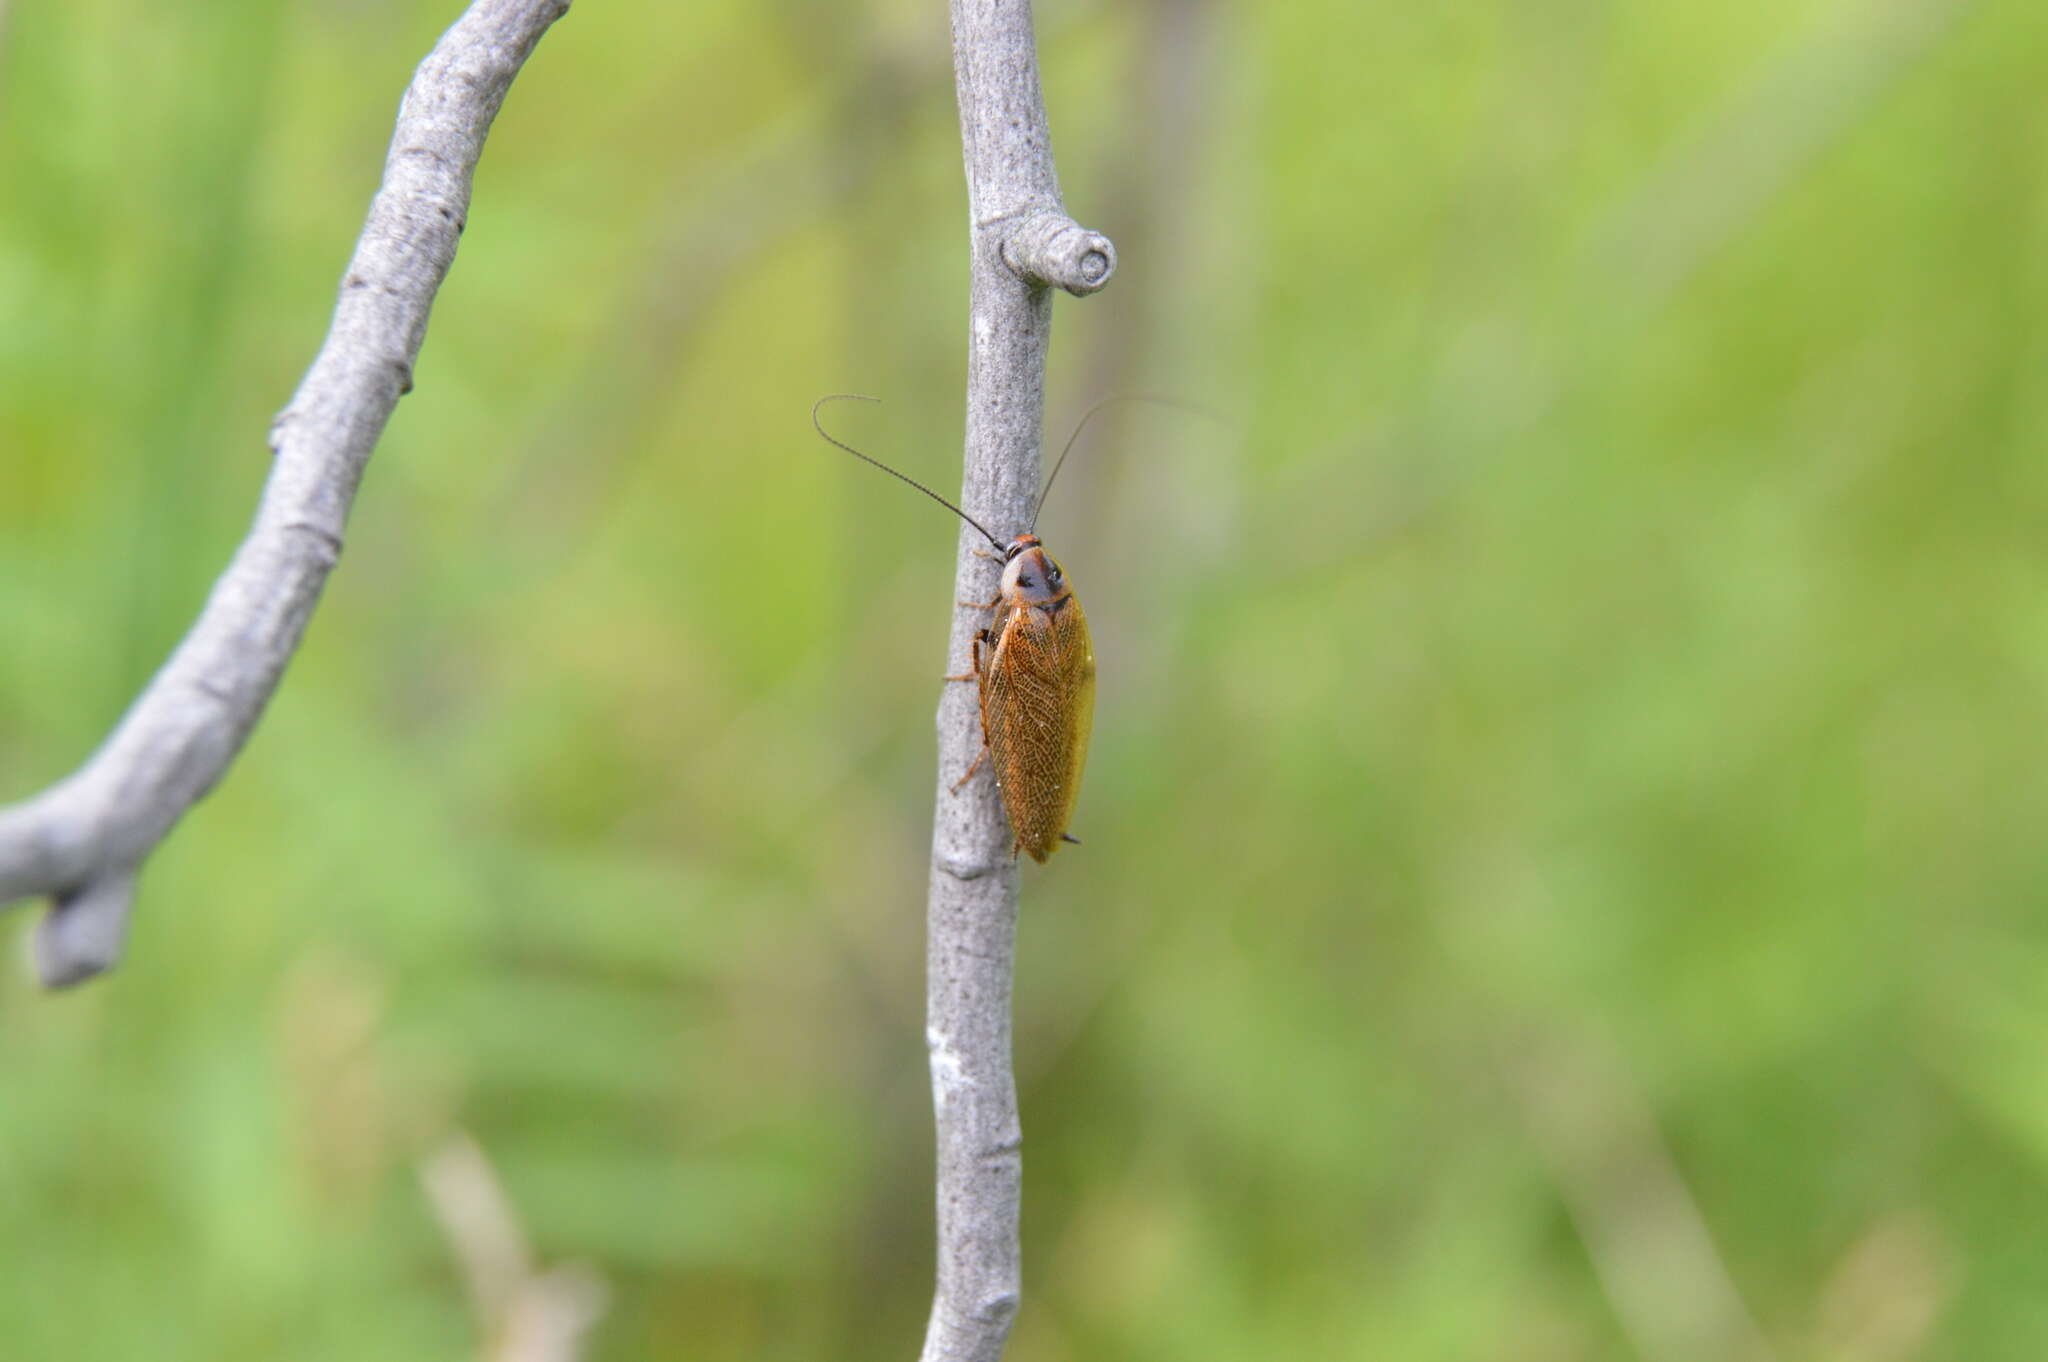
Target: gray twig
x,y
1020,241
82,841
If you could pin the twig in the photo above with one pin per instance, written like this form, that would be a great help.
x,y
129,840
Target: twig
x,y
766,191
1020,241
524,1313
1649,1244
1794,107
82,841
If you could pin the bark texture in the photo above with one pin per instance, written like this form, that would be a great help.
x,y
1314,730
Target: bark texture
x,y
82,841
1021,242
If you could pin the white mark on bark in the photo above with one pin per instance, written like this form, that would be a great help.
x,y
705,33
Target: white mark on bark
x,y
949,1075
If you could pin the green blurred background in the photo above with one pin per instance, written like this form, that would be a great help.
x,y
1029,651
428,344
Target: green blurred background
x,y
1564,840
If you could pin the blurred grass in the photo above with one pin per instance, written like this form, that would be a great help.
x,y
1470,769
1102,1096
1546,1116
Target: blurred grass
x,y
1599,678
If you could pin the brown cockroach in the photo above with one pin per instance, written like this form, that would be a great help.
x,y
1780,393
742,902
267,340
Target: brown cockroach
x,y
1036,678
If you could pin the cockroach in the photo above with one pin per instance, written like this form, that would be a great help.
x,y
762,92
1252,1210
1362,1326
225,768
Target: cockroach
x,y
1034,668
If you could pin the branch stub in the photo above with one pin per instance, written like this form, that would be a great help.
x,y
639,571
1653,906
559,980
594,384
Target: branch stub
x,y
1048,247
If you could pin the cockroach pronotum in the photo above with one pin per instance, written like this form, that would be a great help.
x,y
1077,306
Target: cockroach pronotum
x,y
1036,677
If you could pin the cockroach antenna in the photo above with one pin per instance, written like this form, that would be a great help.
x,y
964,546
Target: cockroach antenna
x,y
862,397
1088,416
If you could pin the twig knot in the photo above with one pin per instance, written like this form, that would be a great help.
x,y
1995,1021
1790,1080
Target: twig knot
x,y
1046,246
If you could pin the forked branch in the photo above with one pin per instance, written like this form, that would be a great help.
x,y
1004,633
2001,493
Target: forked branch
x,y
1021,241
82,841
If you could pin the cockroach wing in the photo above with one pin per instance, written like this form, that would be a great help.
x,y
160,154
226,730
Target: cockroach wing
x,y
1038,704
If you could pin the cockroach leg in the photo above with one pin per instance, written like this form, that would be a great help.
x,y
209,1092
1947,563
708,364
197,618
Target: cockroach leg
x,y
974,675
972,767
980,605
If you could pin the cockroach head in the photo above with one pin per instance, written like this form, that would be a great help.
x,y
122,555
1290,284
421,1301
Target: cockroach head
x,y
1031,577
